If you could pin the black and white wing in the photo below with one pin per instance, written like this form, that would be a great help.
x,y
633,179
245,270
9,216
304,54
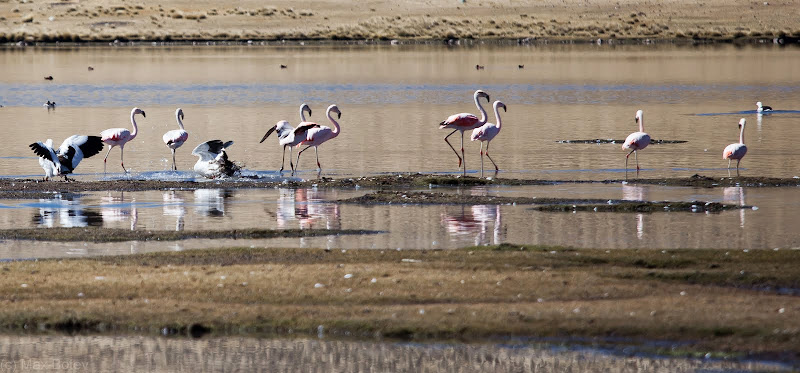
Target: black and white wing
x,y
77,147
210,150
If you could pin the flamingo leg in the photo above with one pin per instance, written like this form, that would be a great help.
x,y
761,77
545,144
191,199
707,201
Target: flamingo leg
x,y
283,158
729,163
122,157
451,146
297,164
626,163
105,160
737,167
482,157
316,152
174,167
490,157
290,159
462,154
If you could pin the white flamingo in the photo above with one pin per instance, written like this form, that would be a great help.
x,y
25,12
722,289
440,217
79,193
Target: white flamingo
x,y
213,162
636,141
317,135
120,136
175,138
71,152
288,136
736,150
487,132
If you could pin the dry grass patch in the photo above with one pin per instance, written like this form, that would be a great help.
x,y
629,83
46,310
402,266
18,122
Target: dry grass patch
x,y
709,299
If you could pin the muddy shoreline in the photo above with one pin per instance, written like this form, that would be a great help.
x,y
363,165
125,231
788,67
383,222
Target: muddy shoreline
x,y
33,189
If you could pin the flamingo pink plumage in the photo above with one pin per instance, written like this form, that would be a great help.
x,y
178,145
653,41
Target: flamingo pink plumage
x,y
465,122
175,138
487,132
737,150
288,136
318,135
120,136
636,141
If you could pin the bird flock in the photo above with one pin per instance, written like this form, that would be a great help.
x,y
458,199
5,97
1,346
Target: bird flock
x,y
213,161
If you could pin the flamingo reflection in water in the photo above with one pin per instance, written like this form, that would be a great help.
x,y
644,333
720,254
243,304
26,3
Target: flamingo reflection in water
x,y
735,195
174,205
477,222
306,206
113,208
635,193
211,202
65,211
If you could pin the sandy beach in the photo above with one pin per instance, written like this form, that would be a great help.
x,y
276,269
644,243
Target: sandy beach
x,y
528,21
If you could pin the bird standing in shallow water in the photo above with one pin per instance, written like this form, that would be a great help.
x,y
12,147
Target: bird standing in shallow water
x,y
66,158
288,136
636,141
175,138
736,150
120,136
318,135
487,132
214,162
465,122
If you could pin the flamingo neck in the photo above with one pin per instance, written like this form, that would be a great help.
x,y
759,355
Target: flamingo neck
x,y
641,123
480,108
497,115
741,135
335,124
178,117
135,128
302,114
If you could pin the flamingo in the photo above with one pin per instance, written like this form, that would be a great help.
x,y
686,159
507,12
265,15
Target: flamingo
x,y
465,122
213,162
762,108
120,136
636,141
736,150
320,134
487,132
288,136
71,152
175,138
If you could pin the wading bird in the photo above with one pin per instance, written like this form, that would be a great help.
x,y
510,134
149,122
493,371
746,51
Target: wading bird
x,y
762,108
465,122
49,105
120,136
487,132
62,161
213,162
636,141
318,135
175,138
288,136
736,150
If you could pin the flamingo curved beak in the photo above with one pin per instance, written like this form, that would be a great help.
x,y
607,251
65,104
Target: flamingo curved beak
x,y
504,109
143,115
271,130
339,116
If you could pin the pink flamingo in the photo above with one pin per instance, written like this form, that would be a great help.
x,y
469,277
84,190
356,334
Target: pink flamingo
x,y
737,150
317,135
288,136
487,132
636,141
465,122
175,138
120,136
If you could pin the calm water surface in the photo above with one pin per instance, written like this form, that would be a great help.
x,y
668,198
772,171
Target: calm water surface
x,y
393,97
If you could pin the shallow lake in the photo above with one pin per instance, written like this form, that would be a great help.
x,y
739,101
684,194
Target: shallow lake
x,y
393,97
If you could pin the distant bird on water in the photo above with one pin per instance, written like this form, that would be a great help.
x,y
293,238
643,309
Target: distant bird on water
x,y
62,161
736,150
91,68
318,135
49,77
521,66
487,132
636,141
213,162
175,138
465,122
284,66
288,136
119,137
49,105
479,67
762,108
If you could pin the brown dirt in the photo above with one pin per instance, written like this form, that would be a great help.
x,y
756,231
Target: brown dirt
x,y
524,20
32,189
740,303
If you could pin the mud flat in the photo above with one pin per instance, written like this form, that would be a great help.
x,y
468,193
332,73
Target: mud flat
x,y
692,302
526,21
